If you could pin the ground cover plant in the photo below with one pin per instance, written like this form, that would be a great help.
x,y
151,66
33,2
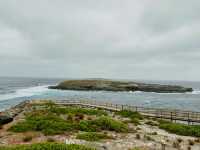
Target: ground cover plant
x,y
134,116
130,114
77,110
51,122
103,123
180,129
47,146
47,123
92,136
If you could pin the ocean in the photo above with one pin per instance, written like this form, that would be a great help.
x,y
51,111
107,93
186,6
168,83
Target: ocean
x,y
16,90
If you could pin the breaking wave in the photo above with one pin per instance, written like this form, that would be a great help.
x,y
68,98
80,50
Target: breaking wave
x,y
27,92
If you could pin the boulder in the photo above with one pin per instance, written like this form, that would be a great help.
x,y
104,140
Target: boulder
x,y
5,119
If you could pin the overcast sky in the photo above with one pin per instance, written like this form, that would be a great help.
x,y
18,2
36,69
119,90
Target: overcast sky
x,y
131,39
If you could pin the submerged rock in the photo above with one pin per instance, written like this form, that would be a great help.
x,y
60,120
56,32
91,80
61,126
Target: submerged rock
x,y
109,85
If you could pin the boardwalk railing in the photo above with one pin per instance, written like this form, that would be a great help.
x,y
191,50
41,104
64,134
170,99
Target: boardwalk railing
x,y
173,115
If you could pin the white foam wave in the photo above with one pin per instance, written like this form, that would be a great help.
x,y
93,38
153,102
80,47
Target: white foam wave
x,y
25,92
138,92
195,92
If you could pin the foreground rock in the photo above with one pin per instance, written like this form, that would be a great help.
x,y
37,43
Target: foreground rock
x,y
5,119
108,85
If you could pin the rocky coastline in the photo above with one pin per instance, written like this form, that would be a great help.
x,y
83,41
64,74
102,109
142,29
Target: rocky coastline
x,y
110,85
142,134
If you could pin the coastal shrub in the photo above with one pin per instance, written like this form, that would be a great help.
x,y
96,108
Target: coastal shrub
x,y
49,124
70,117
48,146
88,126
22,127
77,110
136,148
130,114
180,129
92,136
134,116
135,121
103,123
107,123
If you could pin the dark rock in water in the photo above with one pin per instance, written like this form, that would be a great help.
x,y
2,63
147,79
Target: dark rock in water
x,y
108,85
5,119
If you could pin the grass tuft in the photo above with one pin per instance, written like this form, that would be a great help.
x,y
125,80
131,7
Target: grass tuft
x,y
180,129
49,124
92,136
47,146
77,110
103,123
134,116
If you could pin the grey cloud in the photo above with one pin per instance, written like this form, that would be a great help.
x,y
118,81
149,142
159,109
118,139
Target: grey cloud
x,y
119,39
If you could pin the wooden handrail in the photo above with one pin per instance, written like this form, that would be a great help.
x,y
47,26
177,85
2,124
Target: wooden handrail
x,y
188,116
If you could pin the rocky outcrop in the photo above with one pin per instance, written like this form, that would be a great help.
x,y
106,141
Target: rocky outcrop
x,y
5,119
108,85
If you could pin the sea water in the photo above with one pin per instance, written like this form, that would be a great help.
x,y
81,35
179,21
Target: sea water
x,y
16,90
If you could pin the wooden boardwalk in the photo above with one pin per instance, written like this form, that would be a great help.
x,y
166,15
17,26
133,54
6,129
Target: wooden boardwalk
x,y
173,115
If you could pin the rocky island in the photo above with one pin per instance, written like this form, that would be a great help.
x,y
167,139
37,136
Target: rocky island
x,y
110,85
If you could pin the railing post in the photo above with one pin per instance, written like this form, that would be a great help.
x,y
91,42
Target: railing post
x,y
122,107
171,117
188,118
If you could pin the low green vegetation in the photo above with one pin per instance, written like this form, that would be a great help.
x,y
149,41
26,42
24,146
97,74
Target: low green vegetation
x,y
135,121
180,129
92,136
48,146
103,123
130,114
134,116
47,123
52,123
136,148
77,110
